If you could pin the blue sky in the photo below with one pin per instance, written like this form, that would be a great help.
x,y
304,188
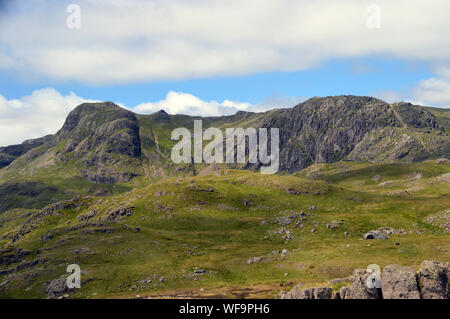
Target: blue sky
x,y
366,76
214,57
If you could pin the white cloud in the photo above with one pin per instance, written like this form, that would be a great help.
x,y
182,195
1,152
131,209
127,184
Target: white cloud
x,y
435,91
41,113
184,103
128,41
44,111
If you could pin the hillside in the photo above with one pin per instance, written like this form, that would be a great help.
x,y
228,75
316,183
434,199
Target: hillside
x,y
231,233
104,149
104,193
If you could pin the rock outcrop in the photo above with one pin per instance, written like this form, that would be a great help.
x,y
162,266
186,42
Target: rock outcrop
x,y
359,288
399,283
433,279
308,293
396,282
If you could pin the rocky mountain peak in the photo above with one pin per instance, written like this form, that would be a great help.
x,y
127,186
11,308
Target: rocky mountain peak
x,y
161,115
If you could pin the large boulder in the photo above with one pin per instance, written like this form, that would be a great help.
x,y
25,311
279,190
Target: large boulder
x,y
399,282
323,293
359,288
375,234
308,293
58,287
433,279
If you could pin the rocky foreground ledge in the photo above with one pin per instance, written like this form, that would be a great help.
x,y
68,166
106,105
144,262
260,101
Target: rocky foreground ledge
x,y
396,282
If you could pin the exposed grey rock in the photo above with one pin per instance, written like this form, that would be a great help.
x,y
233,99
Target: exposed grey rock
x,y
287,220
345,293
22,266
433,279
323,293
374,234
334,225
359,288
255,260
93,132
98,230
308,293
87,216
284,295
441,219
11,255
9,153
119,213
58,287
399,282
284,221
47,236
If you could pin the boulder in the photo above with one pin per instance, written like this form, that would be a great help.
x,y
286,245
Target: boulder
x,y
57,287
399,282
47,236
374,234
255,260
308,293
295,292
359,288
323,293
433,279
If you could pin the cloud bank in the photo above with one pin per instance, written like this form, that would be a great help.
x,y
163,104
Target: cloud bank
x,y
44,111
124,41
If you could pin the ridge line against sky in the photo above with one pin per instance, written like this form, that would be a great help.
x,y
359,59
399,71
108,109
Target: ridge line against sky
x,y
214,57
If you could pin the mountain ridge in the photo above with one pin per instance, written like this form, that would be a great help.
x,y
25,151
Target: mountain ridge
x,y
104,144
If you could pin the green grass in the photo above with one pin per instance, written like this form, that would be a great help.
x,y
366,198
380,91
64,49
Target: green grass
x,y
225,232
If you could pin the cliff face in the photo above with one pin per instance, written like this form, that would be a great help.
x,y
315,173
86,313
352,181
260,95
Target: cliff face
x,y
325,130
103,138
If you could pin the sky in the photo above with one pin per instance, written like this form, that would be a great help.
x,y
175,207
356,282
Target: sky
x,y
214,57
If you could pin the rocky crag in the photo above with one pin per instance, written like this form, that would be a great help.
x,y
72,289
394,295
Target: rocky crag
x,y
396,282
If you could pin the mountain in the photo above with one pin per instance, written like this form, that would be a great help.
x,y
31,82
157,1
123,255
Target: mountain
x,y
361,182
103,148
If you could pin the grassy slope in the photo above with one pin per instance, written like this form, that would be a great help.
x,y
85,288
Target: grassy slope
x,y
176,238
